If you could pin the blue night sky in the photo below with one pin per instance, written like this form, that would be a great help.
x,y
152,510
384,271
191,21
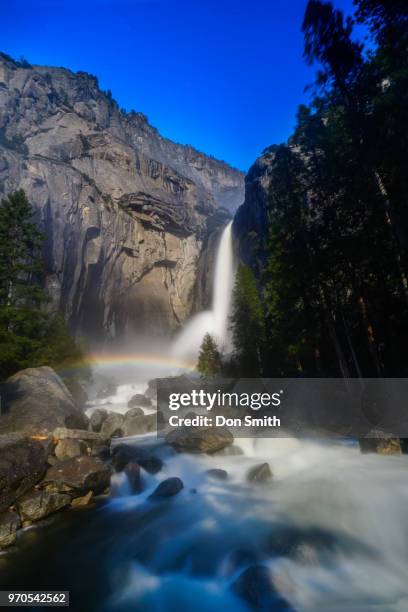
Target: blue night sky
x,y
225,76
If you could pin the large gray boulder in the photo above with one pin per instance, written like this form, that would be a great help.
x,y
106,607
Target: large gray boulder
x,y
23,462
36,401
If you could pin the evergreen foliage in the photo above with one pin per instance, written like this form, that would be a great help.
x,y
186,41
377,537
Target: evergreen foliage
x,y
29,336
209,358
335,285
247,324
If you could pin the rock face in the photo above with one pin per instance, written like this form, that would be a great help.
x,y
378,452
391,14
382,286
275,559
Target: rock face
x,y
36,400
125,211
250,223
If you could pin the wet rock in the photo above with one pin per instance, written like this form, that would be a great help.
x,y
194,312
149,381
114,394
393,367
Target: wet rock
x,y
204,440
134,412
85,500
36,401
256,587
217,474
123,454
138,425
79,474
9,524
260,474
120,459
37,505
381,443
68,448
152,465
23,462
167,488
132,471
112,426
97,419
139,400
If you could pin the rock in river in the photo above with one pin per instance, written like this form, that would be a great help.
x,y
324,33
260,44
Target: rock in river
x,y
167,488
260,473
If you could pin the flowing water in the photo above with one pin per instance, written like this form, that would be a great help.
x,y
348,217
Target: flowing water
x,y
330,529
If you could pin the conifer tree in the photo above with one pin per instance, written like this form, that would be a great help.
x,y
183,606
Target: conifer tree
x,y
209,358
247,324
29,336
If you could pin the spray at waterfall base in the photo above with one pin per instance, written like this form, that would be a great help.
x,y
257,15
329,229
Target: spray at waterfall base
x,y
273,408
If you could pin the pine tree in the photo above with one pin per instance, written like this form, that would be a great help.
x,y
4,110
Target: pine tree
x,y
209,358
247,324
29,336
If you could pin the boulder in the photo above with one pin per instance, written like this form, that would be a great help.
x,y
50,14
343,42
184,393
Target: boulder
x,y
132,471
139,400
260,474
9,523
199,440
37,401
70,447
124,453
97,419
151,464
256,587
138,425
77,391
112,426
167,488
23,462
37,504
217,474
78,475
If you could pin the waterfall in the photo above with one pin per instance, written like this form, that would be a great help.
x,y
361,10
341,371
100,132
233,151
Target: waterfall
x,y
214,321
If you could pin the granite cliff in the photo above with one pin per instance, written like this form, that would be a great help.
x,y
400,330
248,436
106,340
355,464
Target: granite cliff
x,y
250,225
126,212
